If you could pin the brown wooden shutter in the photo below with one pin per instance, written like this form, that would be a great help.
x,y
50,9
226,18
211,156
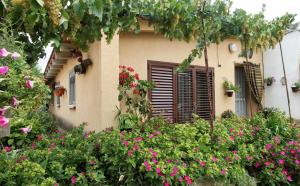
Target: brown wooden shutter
x,y
202,102
185,96
162,96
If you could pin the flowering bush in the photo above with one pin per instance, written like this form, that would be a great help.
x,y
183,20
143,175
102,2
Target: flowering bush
x,y
133,93
23,94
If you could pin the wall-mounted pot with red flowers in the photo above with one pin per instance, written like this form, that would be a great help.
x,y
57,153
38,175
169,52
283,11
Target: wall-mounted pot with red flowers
x,y
59,91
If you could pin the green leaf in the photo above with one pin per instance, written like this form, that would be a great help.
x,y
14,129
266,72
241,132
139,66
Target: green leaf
x,y
40,2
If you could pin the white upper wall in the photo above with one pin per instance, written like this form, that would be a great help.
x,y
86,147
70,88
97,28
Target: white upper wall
x,y
275,95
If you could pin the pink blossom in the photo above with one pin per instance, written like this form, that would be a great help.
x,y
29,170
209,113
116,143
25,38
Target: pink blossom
x,y
14,102
241,133
214,159
297,162
166,183
236,157
73,180
4,122
169,161
130,153
15,55
4,70
154,154
136,147
180,179
175,170
29,84
223,171
3,52
231,138
293,151
267,163
289,178
230,130
33,145
227,158
257,128
202,164
268,146
282,153
2,111
25,130
248,157
138,139
257,165
93,162
39,137
158,170
281,161
125,143
151,136
235,152
155,161
188,180
7,149
284,172
291,143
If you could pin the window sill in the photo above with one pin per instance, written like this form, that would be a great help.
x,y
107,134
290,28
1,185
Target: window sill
x,y
72,107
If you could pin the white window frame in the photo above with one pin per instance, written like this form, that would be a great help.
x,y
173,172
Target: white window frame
x,y
72,90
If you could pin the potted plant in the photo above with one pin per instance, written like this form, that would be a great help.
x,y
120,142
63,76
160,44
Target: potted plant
x,y
59,91
269,81
230,88
296,87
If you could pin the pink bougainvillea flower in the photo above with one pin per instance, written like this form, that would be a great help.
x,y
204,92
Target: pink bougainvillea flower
x,y
130,69
2,111
234,151
293,151
169,161
39,137
180,179
257,165
282,153
125,143
136,147
281,161
249,157
130,153
15,55
231,138
202,163
4,70
148,167
73,180
284,171
3,52
188,180
33,145
151,136
236,157
267,164
154,154
241,133
155,161
291,143
166,183
7,149
138,139
289,178
297,162
223,171
4,122
29,84
230,130
268,146
14,102
137,76
158,170
227,158
25,130
214,159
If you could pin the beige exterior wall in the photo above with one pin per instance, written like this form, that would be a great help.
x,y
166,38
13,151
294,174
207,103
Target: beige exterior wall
x,y
96,91
135,50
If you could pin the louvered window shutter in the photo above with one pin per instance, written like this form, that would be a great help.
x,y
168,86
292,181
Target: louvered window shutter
x,y
185,96
162,96
203,109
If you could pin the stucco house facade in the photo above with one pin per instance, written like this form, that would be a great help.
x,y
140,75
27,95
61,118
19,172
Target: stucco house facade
x,y
92,97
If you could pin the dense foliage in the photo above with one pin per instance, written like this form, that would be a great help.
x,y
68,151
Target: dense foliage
x,y
23,94
263,151
84,21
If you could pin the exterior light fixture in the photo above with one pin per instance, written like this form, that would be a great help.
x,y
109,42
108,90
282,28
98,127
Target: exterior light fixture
x,y
232,47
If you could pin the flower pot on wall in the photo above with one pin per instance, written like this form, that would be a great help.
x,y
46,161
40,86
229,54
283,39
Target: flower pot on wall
x,y
59,91
229,93
295,88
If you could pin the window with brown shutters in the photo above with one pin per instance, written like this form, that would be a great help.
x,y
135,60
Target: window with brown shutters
x,y
178,95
